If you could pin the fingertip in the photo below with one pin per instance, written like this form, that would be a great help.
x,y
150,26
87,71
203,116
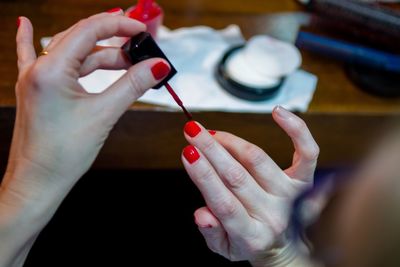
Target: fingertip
x,y
191,154
143,27
160,69
285,118
24,39
115,11
205,219
212,132
144,73
280,112
18,22
127,15
192,128
23,24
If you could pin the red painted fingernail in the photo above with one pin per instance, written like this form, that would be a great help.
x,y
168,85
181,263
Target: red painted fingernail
x,y
212,132
191,155
114,10
205,226
18,21
160,70
192,129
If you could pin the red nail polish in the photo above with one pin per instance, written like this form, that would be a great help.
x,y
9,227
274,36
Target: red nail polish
x,y
212,132
191,155
192,129
18,21
205,226
160,70
115,9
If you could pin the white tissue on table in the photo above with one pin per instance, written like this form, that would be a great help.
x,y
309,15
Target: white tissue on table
x,y
195,52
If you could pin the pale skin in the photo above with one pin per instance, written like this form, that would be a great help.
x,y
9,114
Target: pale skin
x,y
60,129
248,195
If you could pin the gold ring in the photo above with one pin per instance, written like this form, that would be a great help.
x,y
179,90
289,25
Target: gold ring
x,y
43,53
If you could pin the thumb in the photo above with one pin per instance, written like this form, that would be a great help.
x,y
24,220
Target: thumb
x,y
212,231
133,84
25,50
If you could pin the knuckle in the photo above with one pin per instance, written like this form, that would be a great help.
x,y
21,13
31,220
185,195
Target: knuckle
x,y
208,145
56,37
235,177
204,175
135,84
226,209
84,25
253,155
312,153
39,75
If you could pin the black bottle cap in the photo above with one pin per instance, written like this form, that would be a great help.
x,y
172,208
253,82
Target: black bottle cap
x,y
142,47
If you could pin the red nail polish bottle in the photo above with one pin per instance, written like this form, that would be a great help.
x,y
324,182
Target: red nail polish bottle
x,y
148,12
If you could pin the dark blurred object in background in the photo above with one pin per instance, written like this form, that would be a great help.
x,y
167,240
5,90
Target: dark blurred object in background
x,y
361,24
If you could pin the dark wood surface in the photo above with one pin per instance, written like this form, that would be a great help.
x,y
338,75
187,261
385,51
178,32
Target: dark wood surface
x,y
344,119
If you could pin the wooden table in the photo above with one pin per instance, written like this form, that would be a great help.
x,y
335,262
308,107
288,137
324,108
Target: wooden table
x,y
344,120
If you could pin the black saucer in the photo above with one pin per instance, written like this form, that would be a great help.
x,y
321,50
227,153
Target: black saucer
x,y
240,90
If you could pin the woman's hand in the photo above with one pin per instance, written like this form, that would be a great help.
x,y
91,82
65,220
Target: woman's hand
x,y
248,196
59,127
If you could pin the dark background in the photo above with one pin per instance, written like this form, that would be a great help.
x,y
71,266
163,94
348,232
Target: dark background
x,y
127,218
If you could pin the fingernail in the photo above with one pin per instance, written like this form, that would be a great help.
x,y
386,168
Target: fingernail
x,y
192,129
114,10
190,153
160,70
205,226
282,112
212,132
202,225
18,21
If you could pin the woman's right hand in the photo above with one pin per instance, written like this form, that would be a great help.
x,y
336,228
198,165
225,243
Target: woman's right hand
x,y
248,195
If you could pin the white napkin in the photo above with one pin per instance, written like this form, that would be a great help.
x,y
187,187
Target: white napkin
x,y
195,52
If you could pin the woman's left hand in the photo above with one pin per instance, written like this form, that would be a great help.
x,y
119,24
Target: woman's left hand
x,y
248,195
60,128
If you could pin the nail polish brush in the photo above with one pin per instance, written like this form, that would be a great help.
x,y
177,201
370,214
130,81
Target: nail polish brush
x,y
142,47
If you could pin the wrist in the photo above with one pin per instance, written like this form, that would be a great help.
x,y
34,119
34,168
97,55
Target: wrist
x,y
278,256
284,253
29,198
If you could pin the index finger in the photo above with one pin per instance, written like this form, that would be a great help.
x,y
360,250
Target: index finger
x,y
78,44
